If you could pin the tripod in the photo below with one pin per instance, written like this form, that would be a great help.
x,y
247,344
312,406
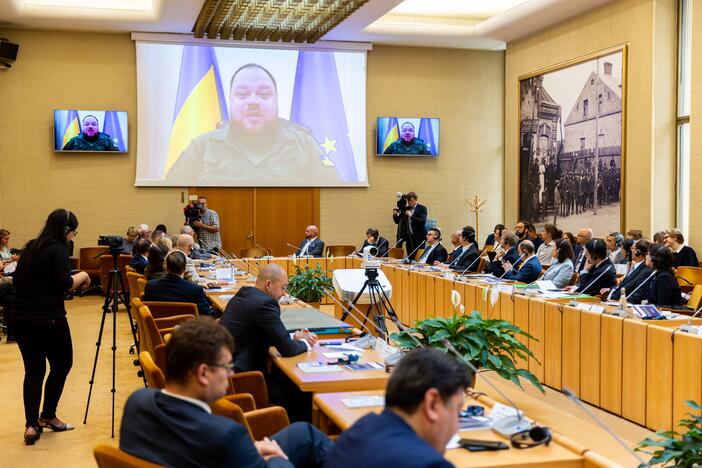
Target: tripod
x,y
113,296
379,302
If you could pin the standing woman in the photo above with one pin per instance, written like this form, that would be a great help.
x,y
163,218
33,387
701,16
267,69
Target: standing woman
x,y
42,278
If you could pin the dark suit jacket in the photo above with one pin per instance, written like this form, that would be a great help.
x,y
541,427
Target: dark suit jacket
x,y
139,263
253,319
383,441
382,246
438,254
316,248
664,290
456,252
579,263
607,280
631,282
686,257
175,433
418,221
469,255
525,272
510,256
173,288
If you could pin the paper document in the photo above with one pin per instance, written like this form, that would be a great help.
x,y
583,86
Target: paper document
x,y
226,297
318,367
546,285
224,274
500,411
363,401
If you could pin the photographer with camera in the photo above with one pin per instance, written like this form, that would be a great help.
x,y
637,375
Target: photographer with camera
x,y
206,225
410,218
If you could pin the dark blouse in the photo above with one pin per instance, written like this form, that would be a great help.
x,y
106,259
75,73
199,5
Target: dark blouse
x,y
664,290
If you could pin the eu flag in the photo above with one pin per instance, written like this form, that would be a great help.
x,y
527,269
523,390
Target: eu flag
x,y
200,102
112,128
317,105
426,133
388,133
66,126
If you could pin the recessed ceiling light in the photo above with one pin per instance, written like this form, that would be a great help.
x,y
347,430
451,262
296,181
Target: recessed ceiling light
x,y
88,5
464,9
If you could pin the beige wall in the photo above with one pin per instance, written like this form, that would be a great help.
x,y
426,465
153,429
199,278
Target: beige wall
x,y
59,70
464,89
648,28
695,228
80,70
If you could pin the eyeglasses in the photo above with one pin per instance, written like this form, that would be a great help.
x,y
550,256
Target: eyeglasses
x,y
228,366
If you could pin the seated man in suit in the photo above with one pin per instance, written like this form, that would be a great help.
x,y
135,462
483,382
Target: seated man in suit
x,y
455,239
185,244
598,273
635,277
509,254
173,288
615,251
467,258
141,256
422,399
175,426
311,245
526,270
583,237
373,239
253,319
433,250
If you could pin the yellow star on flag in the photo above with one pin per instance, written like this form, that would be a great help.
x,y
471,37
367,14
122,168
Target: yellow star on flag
x,y
328,145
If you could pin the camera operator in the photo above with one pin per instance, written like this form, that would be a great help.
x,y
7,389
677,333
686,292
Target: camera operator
x,y
410,218
207,227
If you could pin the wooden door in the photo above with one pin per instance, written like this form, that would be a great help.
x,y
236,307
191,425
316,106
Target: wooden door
x,y
281,216
235,206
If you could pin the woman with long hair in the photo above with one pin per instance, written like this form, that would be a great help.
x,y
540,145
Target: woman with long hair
x,y
42,278
561,270
664,290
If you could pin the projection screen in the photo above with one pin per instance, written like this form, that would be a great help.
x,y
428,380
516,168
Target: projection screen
x,y
250,117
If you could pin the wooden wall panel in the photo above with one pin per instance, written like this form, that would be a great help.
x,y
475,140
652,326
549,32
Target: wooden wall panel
x,y
536,329
429,292
570,354
687,373
521,320
235,207
659,375
611,363
552,344
590,357
422,296
507,306
634,371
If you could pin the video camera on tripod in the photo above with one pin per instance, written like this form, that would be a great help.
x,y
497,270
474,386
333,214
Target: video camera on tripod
x,y
111,242
193,212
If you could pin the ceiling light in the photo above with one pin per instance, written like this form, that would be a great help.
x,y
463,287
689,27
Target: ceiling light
x,y
465,9
88,5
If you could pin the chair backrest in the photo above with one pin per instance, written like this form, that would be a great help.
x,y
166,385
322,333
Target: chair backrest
x,y
695,297
150,336
481,265
573,279
223,407
133,280
253,252
164,309
154,375
108,456
88,262
396,252
688,276
106,264
141,284
340,250
130,269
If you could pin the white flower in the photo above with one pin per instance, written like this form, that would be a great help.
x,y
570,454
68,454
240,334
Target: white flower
x,y
455,298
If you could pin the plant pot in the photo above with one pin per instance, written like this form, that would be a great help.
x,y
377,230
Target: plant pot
x,y
316,305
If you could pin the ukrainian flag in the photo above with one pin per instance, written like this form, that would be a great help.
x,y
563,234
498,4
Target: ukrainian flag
x,y
200,102
66,126
388,133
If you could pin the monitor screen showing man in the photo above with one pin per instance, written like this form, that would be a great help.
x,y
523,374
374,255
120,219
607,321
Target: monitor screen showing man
x,y
407,136
250,117
90,131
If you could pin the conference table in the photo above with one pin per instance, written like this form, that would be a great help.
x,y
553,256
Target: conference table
x,y
334,416
640,370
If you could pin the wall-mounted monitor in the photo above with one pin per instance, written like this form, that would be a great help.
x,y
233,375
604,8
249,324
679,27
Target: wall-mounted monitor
x,y
407,136
90,131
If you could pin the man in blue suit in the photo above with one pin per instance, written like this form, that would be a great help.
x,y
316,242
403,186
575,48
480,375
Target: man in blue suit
x,y
526,270
175,427
311,245
422,399
508,242
141,256
173,288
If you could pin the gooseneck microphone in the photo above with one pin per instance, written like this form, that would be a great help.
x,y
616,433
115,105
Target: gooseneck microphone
x,y
407,258
595,280
513,266
689,328
573,397
653,273
294,246
268,251
473,262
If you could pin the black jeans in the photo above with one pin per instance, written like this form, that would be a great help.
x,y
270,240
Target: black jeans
x,y
304,444
7,295
39,341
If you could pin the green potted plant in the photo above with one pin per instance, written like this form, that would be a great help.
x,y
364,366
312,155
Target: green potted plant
x,y
682,449
487,344
310,284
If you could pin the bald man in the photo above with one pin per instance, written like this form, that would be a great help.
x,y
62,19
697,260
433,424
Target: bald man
x,y
311,245
253,319
584,236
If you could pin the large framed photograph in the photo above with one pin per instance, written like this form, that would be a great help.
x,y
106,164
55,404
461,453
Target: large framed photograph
x,y
572,134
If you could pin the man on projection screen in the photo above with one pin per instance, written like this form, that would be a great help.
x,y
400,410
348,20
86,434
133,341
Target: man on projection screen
x,y
255,145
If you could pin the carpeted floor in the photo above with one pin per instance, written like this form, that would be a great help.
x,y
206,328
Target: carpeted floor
x,y
74,448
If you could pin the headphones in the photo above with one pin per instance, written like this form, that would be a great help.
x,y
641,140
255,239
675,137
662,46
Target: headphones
x,y
66,228
537,435
437,234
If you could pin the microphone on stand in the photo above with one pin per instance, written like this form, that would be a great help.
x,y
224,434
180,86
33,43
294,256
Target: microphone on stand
x,y
268,255
294,247
569,393
689,328
407,258
595,280
513,266
623,313
473,262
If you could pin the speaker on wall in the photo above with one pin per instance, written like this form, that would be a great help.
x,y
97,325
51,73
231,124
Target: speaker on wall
x,y
8,53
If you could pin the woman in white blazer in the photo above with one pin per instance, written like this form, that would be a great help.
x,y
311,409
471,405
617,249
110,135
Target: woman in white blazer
x,y
561,270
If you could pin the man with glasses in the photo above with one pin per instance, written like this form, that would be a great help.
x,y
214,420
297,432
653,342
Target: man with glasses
x,y
584,236
252,316
175,426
